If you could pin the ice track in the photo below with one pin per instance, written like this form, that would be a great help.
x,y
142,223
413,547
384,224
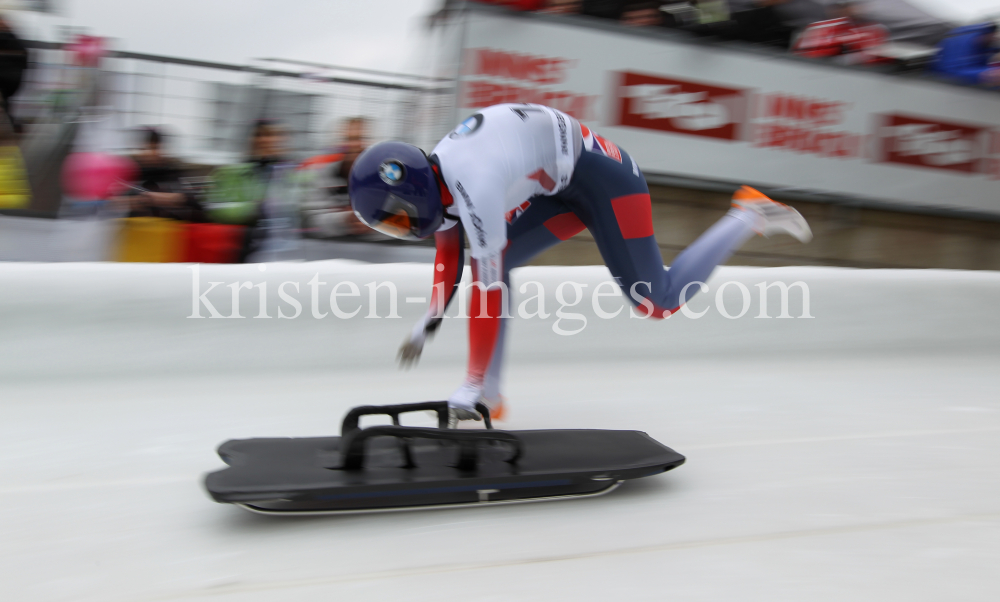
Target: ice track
x,y
852,456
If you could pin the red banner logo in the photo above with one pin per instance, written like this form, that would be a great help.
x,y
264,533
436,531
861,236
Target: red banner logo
x,y
991,164
681,107
492,77
932,144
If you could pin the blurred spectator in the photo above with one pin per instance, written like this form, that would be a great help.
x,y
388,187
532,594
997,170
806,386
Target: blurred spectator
x,y
355,142
763,24
87,51
642,14
604,9
712,11
967,54
848,37
701,17
14,190
261,194
562,7
327,206
13,63
159,191
517,4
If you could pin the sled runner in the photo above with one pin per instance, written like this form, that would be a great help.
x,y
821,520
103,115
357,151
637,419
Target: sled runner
x,y
393,467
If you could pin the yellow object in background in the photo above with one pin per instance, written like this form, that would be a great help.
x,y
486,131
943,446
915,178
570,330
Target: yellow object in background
x,y
150,240
14,190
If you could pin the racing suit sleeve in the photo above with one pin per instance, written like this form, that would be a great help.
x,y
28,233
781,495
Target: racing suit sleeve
x,y
481,206
484,322
449,259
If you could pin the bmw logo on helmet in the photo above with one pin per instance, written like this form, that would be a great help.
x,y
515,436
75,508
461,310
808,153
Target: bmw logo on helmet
x,y
392,172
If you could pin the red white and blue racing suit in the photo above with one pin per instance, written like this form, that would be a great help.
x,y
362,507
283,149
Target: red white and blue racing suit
x,y
520,178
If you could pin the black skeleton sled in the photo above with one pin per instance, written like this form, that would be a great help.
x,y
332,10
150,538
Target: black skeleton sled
x,y
386,468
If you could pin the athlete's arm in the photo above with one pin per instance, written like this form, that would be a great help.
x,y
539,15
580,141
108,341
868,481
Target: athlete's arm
x,y
449,259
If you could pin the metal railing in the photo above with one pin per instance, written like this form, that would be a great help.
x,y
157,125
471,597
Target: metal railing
x,y
212,106
208,108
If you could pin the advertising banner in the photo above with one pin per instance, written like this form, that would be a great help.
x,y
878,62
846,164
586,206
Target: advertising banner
x,y
722,114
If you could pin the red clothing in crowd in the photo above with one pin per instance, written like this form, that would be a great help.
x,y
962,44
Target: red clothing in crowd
x,y
842,37
517,4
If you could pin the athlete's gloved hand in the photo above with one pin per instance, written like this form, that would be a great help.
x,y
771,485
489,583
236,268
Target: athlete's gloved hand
x,y
462,402
413,346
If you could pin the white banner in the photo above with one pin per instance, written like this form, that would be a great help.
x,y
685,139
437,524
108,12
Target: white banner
x,y
713,113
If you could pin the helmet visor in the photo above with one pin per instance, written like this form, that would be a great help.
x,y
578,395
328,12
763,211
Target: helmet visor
x,y
395,224
397,219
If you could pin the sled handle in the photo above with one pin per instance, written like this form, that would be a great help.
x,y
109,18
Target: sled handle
x,y
484,411
351,421
353,443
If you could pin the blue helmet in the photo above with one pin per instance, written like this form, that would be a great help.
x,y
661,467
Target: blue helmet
x,y
393,190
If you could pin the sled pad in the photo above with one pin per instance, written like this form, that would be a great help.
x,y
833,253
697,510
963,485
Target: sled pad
x,y
385,468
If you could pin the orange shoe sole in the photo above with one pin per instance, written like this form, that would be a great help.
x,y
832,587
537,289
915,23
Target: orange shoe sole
x,y
498,412
745,193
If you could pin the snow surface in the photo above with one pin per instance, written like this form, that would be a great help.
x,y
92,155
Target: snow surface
x,y
851,456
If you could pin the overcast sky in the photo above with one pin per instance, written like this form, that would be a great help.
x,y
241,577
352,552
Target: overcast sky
x,y
377,34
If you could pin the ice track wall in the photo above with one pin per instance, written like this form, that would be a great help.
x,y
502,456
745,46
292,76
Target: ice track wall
x,y
81,320
851,456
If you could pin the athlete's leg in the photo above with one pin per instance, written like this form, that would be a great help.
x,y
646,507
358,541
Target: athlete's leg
x,y
544,223
612,199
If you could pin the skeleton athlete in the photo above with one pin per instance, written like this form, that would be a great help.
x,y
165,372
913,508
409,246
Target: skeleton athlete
x,y
518,179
